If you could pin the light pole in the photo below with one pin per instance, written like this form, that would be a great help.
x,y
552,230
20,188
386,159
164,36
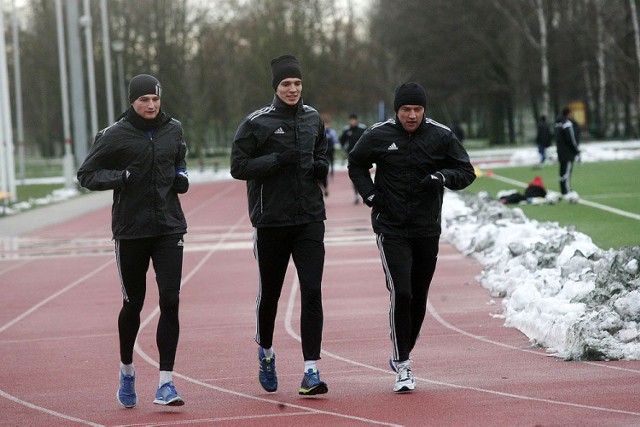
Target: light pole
x,y
118,48
108,70
86,24
7,181
17,76
66,126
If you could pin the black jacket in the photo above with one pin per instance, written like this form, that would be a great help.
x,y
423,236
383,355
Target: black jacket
x,y
351,135
543,136
281,195
567,139
403,160
146,204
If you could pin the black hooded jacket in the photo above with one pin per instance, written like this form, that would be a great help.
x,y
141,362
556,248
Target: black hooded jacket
x,y
145,204
402,161
567,139
281,195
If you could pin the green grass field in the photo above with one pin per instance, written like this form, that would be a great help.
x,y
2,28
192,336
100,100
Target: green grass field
x,y
612,183
35,191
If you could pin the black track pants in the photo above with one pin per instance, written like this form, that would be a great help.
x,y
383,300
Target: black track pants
x,y
409,264
566,169
273,247
132,257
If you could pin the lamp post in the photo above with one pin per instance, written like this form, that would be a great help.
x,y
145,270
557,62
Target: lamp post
x,y
118,48
66,126
86,25
108,73
17,76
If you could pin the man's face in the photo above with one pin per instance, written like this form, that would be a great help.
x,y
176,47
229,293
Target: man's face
x,y
147,106
410,117
289,90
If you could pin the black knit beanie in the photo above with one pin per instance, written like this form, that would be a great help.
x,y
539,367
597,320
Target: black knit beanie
x,y
143,84
409,94
284,67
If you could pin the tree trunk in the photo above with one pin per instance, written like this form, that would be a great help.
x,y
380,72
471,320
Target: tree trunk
x,y
602,77
544,58
636,37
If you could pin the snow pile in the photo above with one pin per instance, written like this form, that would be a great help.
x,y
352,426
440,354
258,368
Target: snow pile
x,y
558,288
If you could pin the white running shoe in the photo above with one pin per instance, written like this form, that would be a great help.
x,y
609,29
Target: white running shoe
x,y
572,197
404,378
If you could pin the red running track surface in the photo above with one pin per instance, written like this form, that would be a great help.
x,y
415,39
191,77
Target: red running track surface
x,y
58,336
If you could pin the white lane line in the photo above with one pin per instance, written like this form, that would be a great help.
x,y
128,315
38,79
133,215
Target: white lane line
x,y
55,295
192,380
294,335
40,304
45,410
448,325
581,200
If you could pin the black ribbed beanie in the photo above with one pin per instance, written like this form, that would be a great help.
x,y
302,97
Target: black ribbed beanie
x,y
143,84
409,93
284,67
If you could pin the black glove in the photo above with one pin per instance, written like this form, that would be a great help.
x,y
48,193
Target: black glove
x,y
434,181
181,181
288,157
374,199
320,170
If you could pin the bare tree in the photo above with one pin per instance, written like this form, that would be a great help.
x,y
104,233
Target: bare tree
x,y
636,38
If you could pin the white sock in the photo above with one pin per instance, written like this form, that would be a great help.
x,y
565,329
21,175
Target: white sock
x,y
165,377
310,364
127,369
268,352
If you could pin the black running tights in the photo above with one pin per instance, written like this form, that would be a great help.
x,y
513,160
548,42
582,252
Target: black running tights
x,y
132,257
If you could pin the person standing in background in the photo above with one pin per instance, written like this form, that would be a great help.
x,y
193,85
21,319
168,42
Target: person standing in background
x,y
543,138
567,144
141,158
332,141
280,151
415,158
351,133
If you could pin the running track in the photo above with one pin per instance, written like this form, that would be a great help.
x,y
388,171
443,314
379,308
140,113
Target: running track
x,y
58,338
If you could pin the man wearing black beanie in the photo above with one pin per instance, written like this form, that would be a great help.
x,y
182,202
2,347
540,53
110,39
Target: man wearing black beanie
x,y
141,158
416,158
280,151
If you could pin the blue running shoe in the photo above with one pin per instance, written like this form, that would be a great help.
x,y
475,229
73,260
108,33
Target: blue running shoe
x,y
267,375
127,391
167,395
311,384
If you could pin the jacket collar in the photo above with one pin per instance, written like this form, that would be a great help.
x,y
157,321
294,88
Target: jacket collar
x,y
282,106
419,129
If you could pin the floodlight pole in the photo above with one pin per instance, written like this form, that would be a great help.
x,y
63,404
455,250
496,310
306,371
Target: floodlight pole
x,y
118,48
7,181
86,24
66,126
18,91
106,50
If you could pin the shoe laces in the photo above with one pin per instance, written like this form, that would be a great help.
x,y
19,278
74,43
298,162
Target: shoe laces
x,y
404,373
312,376
168,389
127,384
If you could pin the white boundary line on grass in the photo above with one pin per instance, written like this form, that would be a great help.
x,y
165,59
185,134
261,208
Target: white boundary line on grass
x,y
581,200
